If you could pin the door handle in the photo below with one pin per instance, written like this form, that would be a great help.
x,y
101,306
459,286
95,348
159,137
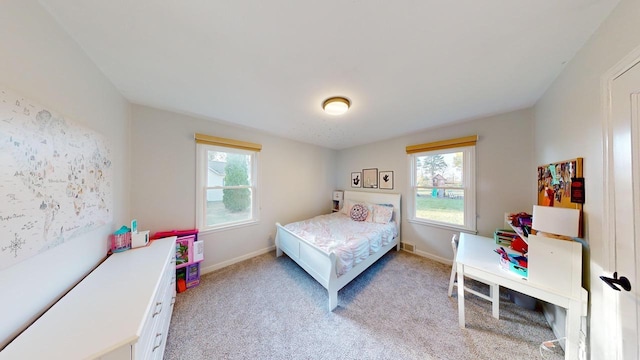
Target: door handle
x,y
615,281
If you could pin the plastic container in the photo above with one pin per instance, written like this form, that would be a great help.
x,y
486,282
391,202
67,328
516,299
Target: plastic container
x,y
120,240
523,300
178,233
514,268
193,275
504,236
184,251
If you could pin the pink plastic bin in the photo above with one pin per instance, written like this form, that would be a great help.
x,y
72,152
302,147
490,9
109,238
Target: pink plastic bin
x,y
120,242
184,251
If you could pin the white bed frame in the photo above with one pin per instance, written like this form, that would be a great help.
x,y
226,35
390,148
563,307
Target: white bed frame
x,y
322,266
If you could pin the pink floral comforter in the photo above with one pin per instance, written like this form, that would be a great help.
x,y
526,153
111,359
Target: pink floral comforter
x,y
352,241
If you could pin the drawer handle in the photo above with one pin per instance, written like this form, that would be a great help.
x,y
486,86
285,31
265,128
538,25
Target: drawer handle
x,y
158,310
159,344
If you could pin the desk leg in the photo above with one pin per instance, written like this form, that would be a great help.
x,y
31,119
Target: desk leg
x,y
572,328
460,271
494,292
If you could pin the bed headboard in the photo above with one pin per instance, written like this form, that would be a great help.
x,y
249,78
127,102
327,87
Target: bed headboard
x,y
378,198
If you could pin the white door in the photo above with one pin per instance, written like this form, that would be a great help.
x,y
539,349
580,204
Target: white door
x,y
625,179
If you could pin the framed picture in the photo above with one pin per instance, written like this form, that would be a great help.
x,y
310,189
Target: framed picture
x,y
386,180
356,180
370,178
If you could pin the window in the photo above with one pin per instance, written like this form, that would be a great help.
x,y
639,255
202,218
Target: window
x,y
443,183
226,183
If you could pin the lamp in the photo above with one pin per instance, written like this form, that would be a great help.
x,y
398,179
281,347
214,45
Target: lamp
x,y
336,105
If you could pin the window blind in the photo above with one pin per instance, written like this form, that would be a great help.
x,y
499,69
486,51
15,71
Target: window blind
x,y
218,141
443,144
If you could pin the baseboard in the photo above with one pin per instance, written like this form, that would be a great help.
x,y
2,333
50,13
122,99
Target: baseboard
x,y
223,264
248,256
433,257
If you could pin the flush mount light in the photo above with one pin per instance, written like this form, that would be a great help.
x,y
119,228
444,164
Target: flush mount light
x,y
336,105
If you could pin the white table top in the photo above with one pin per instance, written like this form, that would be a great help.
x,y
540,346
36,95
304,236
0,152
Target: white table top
x,y
478,252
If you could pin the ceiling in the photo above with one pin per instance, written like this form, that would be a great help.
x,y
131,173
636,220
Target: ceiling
x,y
406,65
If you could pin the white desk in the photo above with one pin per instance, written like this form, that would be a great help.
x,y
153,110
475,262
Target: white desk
x,y
476,258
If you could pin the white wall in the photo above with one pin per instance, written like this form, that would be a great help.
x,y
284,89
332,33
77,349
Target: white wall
x,y
40,62
295,181
506,178
568,124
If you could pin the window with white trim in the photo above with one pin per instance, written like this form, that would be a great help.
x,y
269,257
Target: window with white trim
x,y
226,183
443,183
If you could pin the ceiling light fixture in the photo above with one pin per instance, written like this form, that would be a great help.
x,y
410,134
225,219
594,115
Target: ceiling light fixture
x,y
336,105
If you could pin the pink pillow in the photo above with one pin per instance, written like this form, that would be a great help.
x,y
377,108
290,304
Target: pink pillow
x,y
359,212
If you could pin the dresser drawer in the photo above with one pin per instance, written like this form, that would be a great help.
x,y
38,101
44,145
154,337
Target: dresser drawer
x,y
156,326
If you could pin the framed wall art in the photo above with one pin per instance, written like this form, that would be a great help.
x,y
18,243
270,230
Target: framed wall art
x,y
370,178
386,180
356,180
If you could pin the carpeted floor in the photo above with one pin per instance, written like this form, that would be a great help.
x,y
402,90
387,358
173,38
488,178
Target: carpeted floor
x,y
269,308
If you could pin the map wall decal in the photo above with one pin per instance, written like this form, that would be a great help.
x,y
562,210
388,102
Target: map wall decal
x,y
55,179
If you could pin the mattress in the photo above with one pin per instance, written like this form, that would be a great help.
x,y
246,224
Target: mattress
x,y
351,241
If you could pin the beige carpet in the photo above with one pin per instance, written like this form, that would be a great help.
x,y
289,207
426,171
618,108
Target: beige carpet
x,y
269,308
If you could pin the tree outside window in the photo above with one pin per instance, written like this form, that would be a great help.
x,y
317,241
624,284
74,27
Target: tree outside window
x,y
441,187
227,177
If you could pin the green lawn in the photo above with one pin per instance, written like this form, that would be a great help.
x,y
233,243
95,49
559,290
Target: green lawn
x,y
218,214
444,209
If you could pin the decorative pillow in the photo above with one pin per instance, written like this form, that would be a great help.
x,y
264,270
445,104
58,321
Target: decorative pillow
x,y
370,210
382,214
359,212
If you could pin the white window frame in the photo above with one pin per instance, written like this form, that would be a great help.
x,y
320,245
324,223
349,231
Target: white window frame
x,y
201,188
469,173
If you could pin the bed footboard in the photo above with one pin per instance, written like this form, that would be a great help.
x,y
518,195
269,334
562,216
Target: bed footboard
x,y
316,262
321,266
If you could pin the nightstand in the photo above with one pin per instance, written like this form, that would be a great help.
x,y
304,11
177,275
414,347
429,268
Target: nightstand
x,y
338,195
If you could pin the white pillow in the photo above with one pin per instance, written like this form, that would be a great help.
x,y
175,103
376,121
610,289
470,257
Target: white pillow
x,y
346,208
382,214
370,209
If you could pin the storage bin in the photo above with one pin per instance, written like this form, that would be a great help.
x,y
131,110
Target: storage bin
x,y
178,233
184,250
193,275
522,300
514,268
120,240
504,237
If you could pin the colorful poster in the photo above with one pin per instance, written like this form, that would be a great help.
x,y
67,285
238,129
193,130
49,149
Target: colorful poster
x,y
55,179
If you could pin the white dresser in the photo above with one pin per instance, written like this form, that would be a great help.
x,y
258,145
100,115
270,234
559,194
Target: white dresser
x,y
121,310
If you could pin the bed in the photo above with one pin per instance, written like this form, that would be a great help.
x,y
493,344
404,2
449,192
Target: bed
x,y
318,256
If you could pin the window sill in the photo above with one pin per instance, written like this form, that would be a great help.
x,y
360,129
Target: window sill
x,y
442,226
230,227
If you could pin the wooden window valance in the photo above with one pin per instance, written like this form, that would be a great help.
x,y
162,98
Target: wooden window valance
x,y
218,141
443,144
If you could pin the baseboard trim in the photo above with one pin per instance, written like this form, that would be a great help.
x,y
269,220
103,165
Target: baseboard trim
x,y
248,256
433,257
223,264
